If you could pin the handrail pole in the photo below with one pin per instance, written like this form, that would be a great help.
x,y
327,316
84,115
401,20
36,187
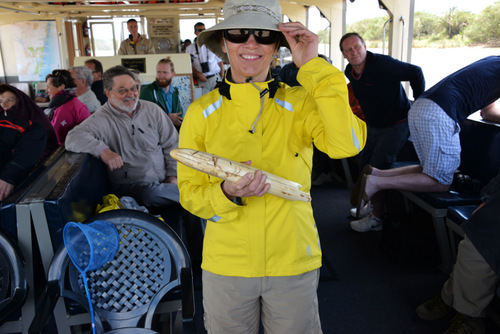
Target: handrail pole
x,y
383,38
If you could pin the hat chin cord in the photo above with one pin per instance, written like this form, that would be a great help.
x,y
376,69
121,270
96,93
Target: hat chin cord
x,y
262,92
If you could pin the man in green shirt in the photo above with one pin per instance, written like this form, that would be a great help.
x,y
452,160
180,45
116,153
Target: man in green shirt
x,y
163,93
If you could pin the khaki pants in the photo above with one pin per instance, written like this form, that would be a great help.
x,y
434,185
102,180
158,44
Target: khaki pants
x,y
288,304
472,284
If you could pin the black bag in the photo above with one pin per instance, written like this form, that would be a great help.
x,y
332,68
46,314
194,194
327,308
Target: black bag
x,y
204,67
464,184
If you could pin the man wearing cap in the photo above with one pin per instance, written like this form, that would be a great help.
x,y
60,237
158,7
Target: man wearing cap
x,y
206,66
261,253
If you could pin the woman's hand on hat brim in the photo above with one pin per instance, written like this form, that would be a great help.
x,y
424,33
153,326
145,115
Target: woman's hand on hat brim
x,y
303,42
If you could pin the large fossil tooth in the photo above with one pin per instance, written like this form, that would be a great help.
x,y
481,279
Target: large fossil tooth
x,y
233,171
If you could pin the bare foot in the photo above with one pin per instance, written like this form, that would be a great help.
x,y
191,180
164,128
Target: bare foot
x,y
370,186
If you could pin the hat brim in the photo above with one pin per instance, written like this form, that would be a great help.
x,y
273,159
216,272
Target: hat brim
x,y
245,20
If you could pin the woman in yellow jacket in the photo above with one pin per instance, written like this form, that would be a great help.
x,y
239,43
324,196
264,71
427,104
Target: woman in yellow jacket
x,y
261,253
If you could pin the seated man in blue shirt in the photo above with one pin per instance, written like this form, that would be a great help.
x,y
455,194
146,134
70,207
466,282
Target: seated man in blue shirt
x,y
163,93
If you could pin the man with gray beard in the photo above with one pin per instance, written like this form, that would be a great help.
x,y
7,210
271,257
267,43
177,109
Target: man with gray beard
x,y
163,93
133,138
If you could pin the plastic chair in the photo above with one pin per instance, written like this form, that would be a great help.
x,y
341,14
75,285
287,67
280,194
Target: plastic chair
x,y
13,285
151,262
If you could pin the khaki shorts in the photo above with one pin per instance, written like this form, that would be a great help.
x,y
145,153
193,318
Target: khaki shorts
x,y
287,304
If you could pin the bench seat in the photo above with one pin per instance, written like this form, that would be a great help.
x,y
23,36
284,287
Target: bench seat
x,y
456,216
480,160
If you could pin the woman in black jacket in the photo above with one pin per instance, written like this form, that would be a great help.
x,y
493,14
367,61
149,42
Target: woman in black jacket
x,y
21,145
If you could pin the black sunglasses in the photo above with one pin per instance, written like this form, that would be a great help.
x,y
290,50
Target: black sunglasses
x,y
242,35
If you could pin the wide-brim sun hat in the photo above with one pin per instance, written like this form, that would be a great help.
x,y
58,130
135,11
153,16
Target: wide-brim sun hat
x,y
243,14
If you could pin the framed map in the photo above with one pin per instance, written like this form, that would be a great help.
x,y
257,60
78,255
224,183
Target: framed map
x,y
36,48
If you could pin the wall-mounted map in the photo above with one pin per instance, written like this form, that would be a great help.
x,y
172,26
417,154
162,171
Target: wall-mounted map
x,y
36,49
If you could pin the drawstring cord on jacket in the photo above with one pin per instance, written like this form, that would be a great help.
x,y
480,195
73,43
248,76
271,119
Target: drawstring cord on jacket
x,y
262,92
263,98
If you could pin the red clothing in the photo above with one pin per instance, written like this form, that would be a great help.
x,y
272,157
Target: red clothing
x,y
67,116
353,102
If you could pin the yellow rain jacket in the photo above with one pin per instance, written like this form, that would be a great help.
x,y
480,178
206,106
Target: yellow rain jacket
x,y
266,236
